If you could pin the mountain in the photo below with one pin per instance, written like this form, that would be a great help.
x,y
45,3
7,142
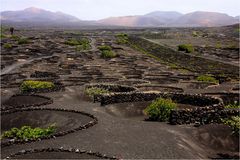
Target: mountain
x,y
129,21
169,18
157,18
33,14
164,15
38,16
200,18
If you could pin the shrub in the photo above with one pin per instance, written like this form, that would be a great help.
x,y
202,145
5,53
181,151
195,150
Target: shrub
x,y
207,78
108,54
26,132
7,46
3,36
218,45
122,38
82,44
31,85
75,42
23,41
234,123
95,91
232,46
122,35
72,42
15,37
103,48
237,30
235,105
83,47
195,34
160,109
188,48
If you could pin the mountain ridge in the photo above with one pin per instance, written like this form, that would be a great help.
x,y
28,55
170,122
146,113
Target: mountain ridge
x,y
152,19
36,14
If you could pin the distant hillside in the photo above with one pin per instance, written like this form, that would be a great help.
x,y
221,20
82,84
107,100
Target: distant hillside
x,y
165,16
206,19
157,18
120,21
160,18
238,18
36,15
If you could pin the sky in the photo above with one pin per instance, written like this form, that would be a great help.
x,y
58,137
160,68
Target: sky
x,y
99,9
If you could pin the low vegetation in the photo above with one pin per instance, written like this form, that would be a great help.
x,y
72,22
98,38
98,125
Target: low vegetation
x,y
3,36
81,44
188,48
218,45
23,40
106,52
95,91
195,34
237,30
26,132
103,48
122,38
15,37
234,123
160,109
234,106
7,46
73,33
3,29
207,78
83,47
31,85
75,42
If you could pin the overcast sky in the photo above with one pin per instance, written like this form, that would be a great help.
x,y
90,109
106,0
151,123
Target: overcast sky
x,y
98,9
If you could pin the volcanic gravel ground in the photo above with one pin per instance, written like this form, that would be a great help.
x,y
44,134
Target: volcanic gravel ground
x,y
121,129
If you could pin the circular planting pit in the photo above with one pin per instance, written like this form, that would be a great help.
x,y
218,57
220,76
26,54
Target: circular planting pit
x,y
128,110
135,110
85,78
20,101
195,84
12,77
228,98
191,108
105,79
39,74
58,153
66,121
112,87
182,98
161,79
131,82
58,86
157,87
11,80
218,137
107,88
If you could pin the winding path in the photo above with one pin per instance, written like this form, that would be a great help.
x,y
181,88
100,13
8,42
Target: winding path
x,y
17,65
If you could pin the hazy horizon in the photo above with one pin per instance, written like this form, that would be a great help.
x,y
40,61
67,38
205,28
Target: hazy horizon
x,y
99,9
